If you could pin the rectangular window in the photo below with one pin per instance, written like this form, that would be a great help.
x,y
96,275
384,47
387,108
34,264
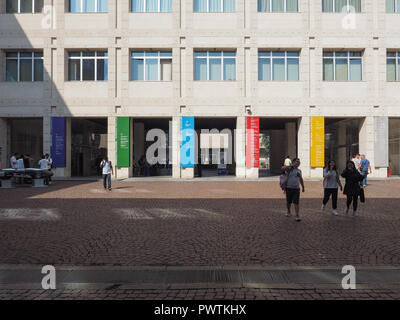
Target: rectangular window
x,y
215,65
214,6
341,5
151,5
392,6
24,66
278,6
393,66
151,65
87,6
24,6
342,66
278,66
88,66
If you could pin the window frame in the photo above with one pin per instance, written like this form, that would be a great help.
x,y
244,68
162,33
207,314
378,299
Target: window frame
x,y
347,6
286,57
348,59
96,7
19,8
396,58
284,8
81,58
144,58
207,57
19,58
208,8
145,6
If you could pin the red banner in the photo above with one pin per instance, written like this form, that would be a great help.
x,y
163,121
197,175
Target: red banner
x,y
252,142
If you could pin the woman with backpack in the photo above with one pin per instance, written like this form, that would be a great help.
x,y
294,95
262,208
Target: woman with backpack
x,y
352,187
331,185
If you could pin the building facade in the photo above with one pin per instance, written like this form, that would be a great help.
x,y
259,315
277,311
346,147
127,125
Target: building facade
x,y
89,63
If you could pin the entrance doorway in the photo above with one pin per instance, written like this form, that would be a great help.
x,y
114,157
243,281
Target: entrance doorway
x,y
278,139
88,146
152,138
341,139
215,151
394,145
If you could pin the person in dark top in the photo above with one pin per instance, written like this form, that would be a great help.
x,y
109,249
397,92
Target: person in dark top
x,y
27,161
352,187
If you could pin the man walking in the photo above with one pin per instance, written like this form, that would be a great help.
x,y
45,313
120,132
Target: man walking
x,y
294,180
107,171
365,169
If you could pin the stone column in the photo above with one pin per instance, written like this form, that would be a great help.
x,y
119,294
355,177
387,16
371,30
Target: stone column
x,y
240,147
303,143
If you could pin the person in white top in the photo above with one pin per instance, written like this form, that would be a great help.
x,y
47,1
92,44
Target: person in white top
x,y
13,161
356,160
44,164
49,165
107,171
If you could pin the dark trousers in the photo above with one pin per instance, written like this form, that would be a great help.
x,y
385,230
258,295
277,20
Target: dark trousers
x,y
327,193
353,198
107,178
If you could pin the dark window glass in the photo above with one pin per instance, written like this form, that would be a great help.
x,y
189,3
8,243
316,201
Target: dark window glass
x,y
88,69
74,70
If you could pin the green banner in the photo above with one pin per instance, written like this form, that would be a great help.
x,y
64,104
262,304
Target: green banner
x,y
123,141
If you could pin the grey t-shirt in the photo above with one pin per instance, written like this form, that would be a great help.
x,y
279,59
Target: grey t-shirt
x,y
331,179
293,181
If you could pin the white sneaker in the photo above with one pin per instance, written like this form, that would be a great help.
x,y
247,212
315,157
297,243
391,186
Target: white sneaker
x,y
355,214
335,213
323,208
346,211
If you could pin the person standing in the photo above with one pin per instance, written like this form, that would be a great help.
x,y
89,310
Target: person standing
x,y
13,161
107,171
331,185
352,187
294,180
20,162
44,165
356,159
49,165
365,169
287,162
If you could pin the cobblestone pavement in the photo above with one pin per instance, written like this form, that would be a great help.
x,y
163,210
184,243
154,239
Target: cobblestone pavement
x,y
202,294
195,224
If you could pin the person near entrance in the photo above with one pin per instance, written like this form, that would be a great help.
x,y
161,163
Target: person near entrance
x,y
356,159
13,161
49,165
287,162
107,167
352,187
365,169
44,165
293,182
331,184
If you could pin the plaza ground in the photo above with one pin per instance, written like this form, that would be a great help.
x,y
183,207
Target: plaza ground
x,y
192,226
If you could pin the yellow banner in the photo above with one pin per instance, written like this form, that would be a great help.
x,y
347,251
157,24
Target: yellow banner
x,y
317,147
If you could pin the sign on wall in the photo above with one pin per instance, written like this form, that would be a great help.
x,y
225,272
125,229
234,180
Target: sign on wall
x,y
317,147
381,142
252,142
58,141
187,142
123,142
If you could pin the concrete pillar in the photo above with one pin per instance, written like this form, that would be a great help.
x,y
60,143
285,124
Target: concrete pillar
x,y
4,154
290,128
367,146
111,142
176,125
303,141
240,147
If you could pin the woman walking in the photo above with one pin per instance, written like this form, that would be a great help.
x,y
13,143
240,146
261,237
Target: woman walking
x,y
107,171
331,185
352,187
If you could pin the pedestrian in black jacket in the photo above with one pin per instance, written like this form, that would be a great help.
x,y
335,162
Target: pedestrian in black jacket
x,y
352,187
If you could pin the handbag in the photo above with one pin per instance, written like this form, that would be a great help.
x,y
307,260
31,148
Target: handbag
x,y
362,195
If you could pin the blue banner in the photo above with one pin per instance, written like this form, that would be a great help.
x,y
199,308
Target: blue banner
x,y
187,142
58,141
